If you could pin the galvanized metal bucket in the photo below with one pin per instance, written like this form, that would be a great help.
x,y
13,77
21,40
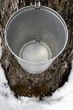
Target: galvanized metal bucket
x,y
36,36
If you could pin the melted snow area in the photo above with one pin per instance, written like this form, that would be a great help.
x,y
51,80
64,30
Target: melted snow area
x,y
62,99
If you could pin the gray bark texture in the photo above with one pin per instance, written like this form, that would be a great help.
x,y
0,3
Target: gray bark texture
x,y
44,84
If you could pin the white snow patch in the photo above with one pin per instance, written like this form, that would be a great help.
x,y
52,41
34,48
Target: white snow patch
x,y
62,99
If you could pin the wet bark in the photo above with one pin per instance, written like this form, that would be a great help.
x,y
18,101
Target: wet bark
x,y
44,84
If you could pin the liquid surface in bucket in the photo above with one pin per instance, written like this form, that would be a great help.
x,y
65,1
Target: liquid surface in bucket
x,y
35,51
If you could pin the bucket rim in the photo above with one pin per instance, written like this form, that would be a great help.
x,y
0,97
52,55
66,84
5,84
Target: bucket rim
x,y
43,8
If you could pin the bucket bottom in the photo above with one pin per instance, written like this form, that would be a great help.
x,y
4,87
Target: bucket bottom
x,y
35,51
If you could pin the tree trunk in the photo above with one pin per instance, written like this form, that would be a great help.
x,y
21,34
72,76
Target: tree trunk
x,y
44,84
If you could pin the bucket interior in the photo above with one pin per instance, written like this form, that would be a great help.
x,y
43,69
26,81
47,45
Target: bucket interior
x,y
38,26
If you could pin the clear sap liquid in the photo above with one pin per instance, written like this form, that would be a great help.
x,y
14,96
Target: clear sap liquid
x,y
35,51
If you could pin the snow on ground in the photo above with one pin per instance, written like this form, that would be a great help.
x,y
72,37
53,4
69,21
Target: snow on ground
x,y
62,99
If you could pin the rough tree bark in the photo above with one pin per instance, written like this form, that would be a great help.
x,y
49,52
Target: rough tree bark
x,y
23,83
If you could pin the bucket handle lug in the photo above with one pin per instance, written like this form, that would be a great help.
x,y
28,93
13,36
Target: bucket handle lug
x,y
37,4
